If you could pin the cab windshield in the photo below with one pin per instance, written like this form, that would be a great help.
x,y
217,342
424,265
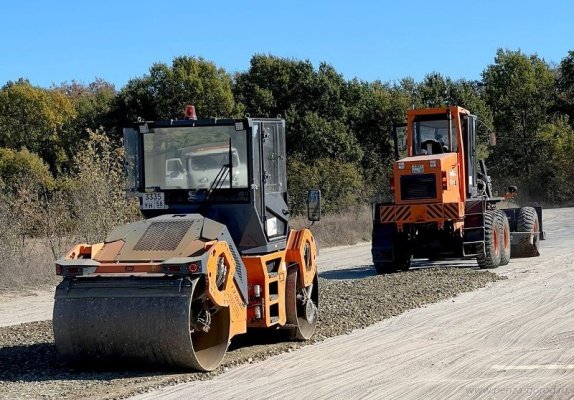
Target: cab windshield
x,y
432,137
194,158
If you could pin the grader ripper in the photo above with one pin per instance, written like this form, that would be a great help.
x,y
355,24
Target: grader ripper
x,y
213,257
443,205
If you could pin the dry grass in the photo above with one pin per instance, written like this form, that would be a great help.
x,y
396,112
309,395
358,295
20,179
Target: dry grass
x,y
38,225
25,262
345,228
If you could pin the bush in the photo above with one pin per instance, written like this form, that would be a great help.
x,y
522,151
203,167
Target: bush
x,y
19,166
340,183
40,216
94,192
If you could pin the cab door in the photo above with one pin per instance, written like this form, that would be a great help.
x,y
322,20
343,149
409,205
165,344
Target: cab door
x,y
274,179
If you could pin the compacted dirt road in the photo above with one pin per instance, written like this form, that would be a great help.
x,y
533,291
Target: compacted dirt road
x,y
512,339
19,308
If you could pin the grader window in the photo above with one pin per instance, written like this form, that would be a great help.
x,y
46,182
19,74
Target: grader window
x,y
432,136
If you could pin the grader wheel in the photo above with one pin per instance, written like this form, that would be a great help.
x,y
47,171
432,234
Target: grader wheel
x,y
528,222
504,237
492,237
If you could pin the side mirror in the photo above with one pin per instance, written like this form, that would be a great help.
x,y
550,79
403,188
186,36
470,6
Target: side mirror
x,y
314,205
512,189
492,139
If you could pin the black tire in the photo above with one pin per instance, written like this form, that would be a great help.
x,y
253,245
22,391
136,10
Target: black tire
x,y
528,222
302,318
404,259
491,256
504,237
402,262
384,268
390,250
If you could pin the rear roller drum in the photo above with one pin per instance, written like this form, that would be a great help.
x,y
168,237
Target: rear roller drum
x,y
301,305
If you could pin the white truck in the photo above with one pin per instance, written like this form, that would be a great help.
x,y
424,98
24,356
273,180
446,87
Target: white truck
x,y
197,167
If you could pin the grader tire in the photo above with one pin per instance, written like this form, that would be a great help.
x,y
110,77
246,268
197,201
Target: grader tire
x,y
528,222
384,268
492,235
504,237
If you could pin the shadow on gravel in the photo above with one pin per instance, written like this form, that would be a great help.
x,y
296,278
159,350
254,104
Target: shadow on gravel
x,y
455,263
40,362
366,271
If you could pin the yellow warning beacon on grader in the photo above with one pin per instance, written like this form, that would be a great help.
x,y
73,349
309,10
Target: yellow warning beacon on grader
x,y
214,256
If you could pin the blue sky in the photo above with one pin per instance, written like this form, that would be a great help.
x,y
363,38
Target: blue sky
x,y
49,42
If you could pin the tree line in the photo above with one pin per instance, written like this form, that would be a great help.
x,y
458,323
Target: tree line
x,y
338,130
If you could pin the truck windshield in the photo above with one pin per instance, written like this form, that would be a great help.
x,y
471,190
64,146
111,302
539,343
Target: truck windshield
x,y
192,157
432,137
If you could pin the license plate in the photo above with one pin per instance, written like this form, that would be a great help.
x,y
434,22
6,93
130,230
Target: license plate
x,y
153,201
418,169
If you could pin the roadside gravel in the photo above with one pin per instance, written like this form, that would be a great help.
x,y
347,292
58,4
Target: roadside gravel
x,y
31,368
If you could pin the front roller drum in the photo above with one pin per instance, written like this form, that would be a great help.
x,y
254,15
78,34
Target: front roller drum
x,y
160,322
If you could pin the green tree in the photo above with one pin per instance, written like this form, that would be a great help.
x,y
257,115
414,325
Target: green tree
x,y
34,118
565,86
519,90
340,183
555,175
94,109
21,166
372,110
164,93
274,85
24,183
315,137
93,103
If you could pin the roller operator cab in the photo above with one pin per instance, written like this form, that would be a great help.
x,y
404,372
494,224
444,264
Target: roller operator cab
x,y
214,256
442,202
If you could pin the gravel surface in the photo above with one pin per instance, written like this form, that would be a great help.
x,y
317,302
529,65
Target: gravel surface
x,y
31,368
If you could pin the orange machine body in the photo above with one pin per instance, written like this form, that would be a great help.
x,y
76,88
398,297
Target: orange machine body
x,y
440,174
